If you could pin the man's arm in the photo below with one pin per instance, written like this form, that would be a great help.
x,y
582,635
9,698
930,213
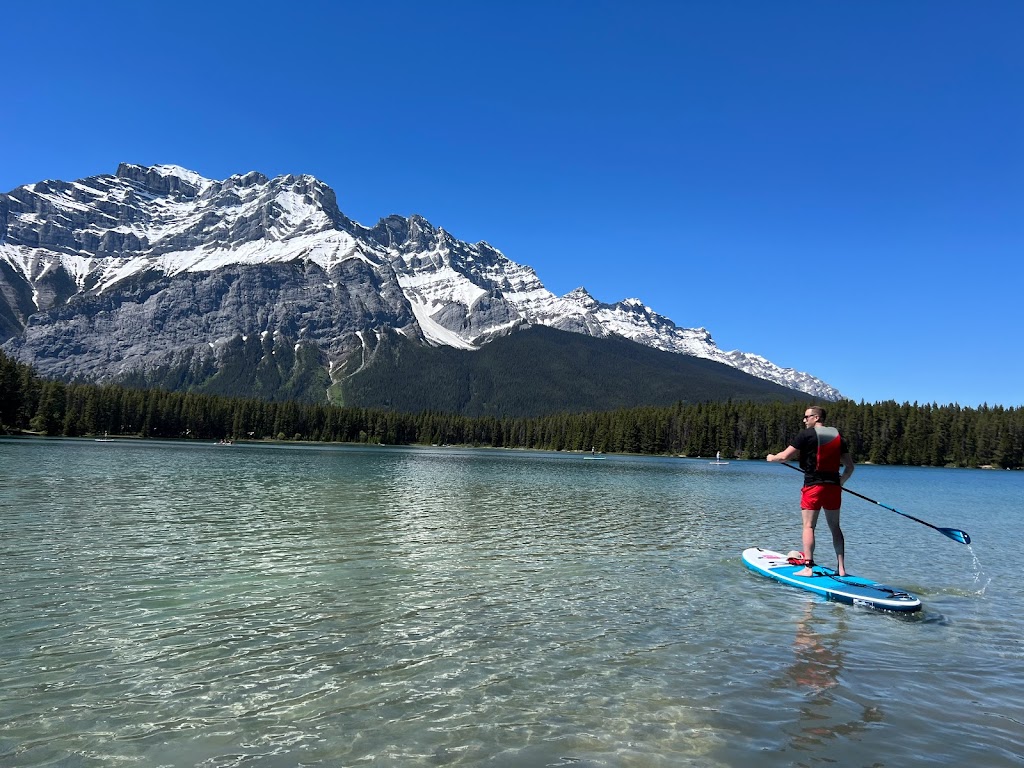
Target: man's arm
x,y
848,466
786,455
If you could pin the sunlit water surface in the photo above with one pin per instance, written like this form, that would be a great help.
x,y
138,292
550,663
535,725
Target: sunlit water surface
x,y
173,604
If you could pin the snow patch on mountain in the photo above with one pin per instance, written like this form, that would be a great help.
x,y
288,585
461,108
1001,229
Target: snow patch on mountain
x,y
435,332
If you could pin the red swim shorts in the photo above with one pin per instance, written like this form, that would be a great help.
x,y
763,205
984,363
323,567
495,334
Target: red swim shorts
x,y
821,497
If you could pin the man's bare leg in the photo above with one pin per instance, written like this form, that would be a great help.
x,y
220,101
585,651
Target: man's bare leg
x,y
838,540
810,519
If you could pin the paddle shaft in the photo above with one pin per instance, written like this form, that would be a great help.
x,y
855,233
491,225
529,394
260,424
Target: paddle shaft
x,y
953,533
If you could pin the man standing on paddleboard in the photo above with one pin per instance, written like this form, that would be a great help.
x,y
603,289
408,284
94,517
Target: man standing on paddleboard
x,y
821,451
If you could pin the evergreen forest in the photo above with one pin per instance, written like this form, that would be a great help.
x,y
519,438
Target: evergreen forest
x,y
880,433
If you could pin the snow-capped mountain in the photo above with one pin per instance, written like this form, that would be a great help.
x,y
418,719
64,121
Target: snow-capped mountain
x,y
113,274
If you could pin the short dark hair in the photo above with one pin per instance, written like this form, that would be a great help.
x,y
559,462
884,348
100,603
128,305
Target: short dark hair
x,y
819,411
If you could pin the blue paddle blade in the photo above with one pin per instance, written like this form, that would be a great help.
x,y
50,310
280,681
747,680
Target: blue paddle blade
x,y
956,535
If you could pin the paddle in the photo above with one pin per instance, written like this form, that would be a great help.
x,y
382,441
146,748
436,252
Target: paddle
x,y
953,533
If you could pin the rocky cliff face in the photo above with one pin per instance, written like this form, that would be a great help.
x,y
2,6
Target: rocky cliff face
x,y
113,275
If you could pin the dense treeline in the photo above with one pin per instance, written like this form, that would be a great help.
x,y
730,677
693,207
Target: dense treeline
x,y
882,433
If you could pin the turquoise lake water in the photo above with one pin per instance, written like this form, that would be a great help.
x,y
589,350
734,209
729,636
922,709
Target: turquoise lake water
x,y
177,604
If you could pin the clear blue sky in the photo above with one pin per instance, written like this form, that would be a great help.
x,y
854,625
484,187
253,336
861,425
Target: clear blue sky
x,y
837,186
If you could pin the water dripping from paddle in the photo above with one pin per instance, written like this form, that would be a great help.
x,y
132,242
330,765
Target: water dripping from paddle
x,y
979,573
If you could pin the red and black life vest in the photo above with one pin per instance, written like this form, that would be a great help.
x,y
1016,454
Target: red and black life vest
x,y
821,450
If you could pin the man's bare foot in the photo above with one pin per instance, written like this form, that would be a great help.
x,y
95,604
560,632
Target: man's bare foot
x,y
804,572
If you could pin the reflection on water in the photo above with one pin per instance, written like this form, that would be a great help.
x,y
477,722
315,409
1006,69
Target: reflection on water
x,y
817,670
818,658
181,605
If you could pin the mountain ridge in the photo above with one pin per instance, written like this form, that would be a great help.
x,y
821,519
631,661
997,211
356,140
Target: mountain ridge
x,y
109,275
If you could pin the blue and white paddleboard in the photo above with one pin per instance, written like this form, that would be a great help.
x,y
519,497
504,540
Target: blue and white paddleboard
x,y
852,590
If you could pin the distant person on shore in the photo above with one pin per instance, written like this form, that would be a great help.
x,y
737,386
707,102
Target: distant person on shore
x,y
821,451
